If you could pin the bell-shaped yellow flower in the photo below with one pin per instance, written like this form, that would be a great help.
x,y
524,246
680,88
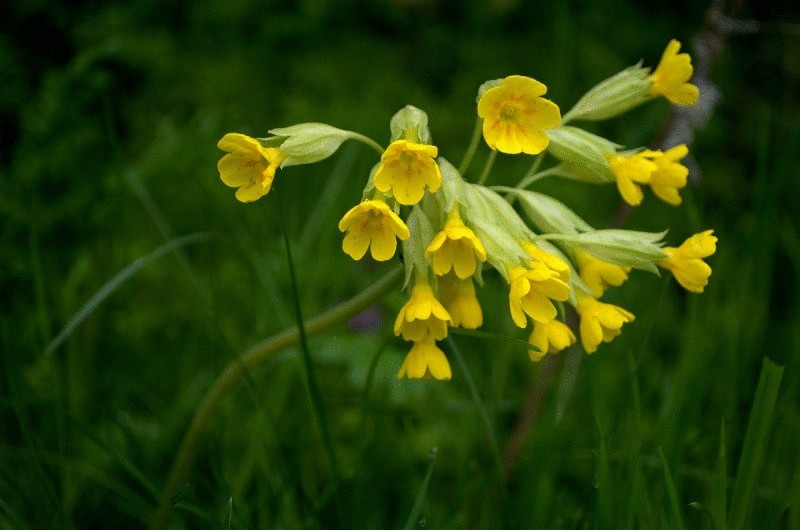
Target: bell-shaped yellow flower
x,y
425,360
457,248
671,76
531,290
597,274
458,297
248,166
552,261
407,168
600,322
631,171
549,337
372,224
670,175
422,316
686,262
515,116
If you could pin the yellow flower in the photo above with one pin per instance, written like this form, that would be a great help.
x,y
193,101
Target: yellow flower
x,y
549,337
458,297
425,360
670,175
248,166
407,168
552,261
686,263
515,117
631,171
456,247
422,316
372,224
597,274
530,291
600,322
671,76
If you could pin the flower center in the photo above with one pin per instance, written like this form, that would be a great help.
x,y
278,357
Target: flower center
x,y
508,112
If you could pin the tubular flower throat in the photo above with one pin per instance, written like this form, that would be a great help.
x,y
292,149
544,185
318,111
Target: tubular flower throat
x,y
551,261
458,297
597,274
530,292
456,247
686,262
425,360
549,337
631,171
515,116
248,166
372,224
422,316
671,76
406,169
670,175
600,322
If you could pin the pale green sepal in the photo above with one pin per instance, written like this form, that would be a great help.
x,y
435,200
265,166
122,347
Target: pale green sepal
x,y
414,247
583,154
549,215
628,248
488,85
452,186
613,96
306,143
369,190
410,123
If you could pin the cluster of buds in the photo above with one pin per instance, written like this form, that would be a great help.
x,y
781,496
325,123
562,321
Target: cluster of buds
x,y
450,228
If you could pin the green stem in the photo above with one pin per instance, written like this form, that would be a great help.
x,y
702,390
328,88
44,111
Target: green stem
x,y
530,178
473,146
229,379
488,167
368,141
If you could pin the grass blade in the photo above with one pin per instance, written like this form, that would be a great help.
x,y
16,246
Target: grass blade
x,y
748,472
486,335
114,283
421,494
672,492
719,497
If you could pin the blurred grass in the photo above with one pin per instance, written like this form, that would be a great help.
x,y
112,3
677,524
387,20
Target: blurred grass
x,y
107,151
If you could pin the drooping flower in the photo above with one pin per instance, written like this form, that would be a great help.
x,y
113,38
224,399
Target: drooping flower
x,y
549,337
422,316
686,262
515,116
425,360
670,175
552,261
372,224
630,171
407,168
671,76
600,322
597,274
458,297
531,290
456,247
248,166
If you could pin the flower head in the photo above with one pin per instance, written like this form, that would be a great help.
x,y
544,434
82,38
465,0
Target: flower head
x,y
372,224
456,247
549,337
597,274
686,263
671,76
631,171
530,292
425,360
552,261
406,169
422,316
670,175
458,297
515,116
600,322
248,166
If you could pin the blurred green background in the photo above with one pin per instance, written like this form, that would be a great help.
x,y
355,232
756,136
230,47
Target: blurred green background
x,y
109,117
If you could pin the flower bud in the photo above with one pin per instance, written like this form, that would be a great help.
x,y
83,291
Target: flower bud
x,y
613,96
411,124
306,143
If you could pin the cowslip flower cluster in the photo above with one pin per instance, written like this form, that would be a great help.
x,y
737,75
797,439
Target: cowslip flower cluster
x,y
453,229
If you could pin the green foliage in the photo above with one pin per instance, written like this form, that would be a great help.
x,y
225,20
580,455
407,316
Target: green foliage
x,y
107,156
